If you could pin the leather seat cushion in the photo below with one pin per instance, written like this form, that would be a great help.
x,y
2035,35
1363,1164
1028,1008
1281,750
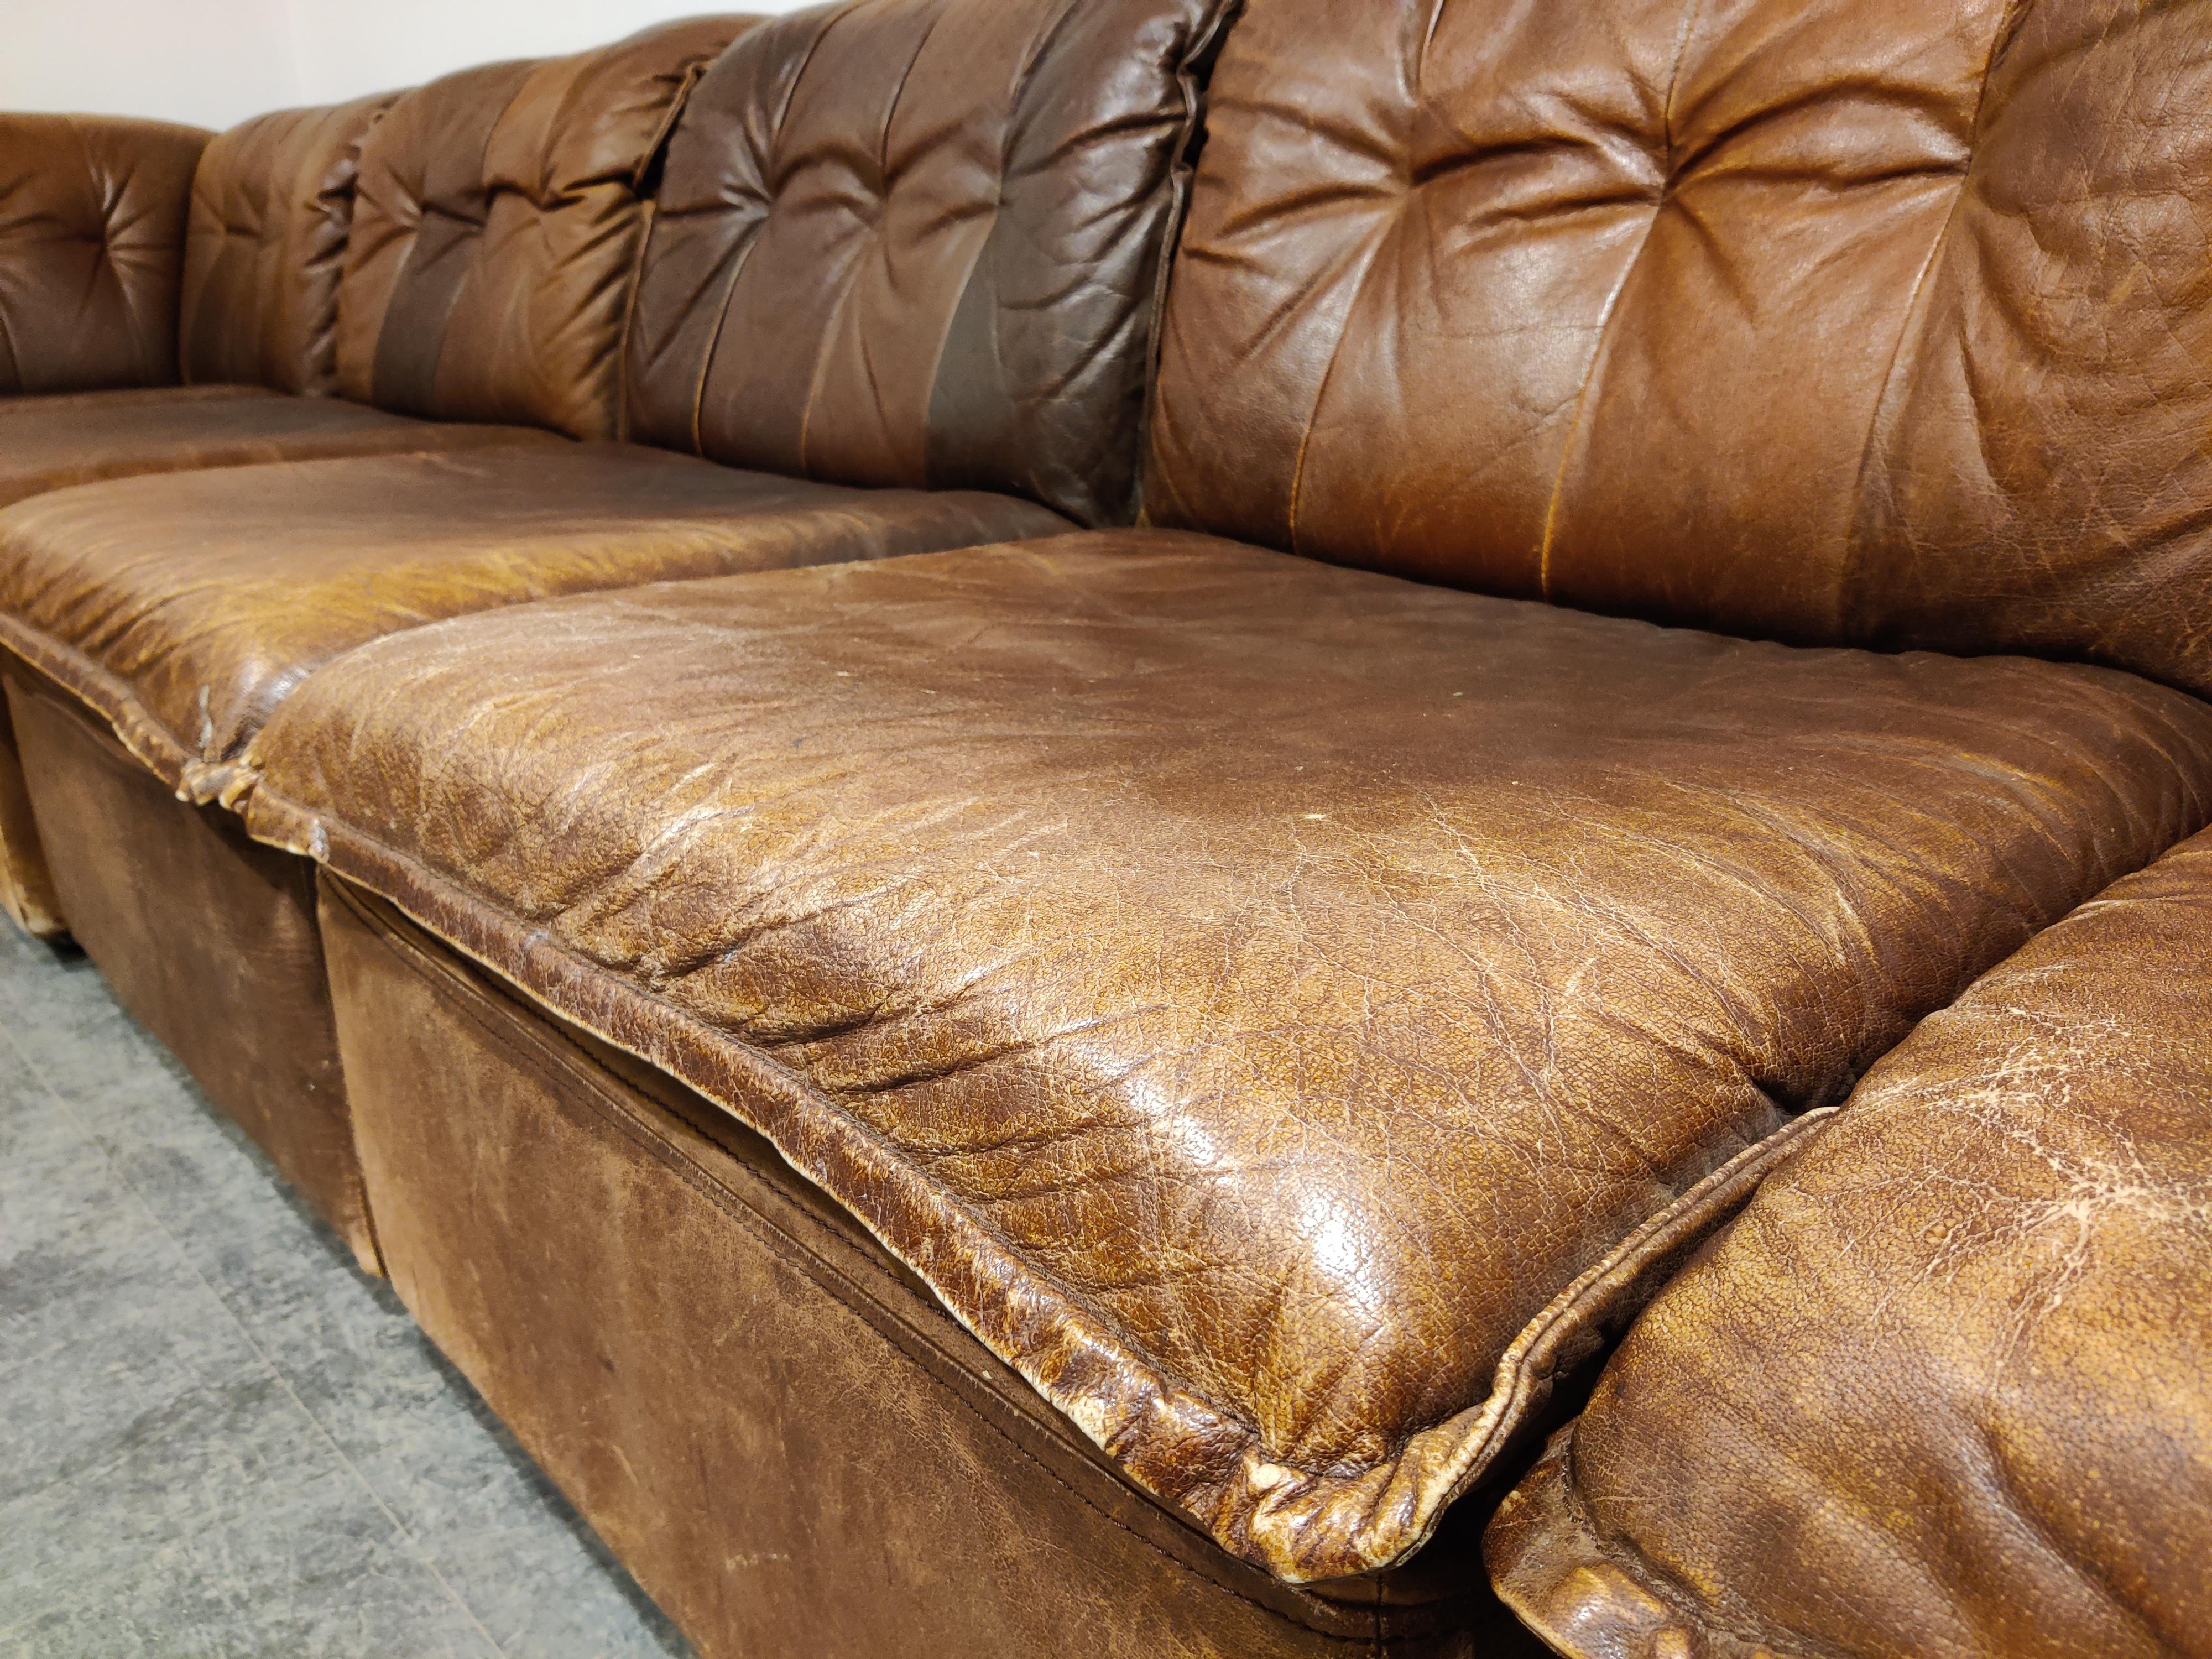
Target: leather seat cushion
x,y
75,438
1947,1387
1286,1011
185,608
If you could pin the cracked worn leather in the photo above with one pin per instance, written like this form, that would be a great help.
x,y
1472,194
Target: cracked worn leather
x,y
92,249
918,245
185,608
592,1243
271,211
1287,1012
1946,1387
498,218
1862,322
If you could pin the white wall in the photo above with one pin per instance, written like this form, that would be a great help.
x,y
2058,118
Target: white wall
x,y
216,61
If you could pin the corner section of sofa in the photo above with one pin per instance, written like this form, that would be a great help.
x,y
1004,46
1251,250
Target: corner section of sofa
x,y
1943,1387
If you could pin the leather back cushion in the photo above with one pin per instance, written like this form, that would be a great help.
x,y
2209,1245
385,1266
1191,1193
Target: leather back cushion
x,y
92,238
272,204
918,243
1835,320
498,221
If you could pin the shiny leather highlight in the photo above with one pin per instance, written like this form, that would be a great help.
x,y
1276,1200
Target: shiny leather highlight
x,y
1282,1011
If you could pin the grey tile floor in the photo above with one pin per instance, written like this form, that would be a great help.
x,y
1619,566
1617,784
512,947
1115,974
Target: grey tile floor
x,y
215,1437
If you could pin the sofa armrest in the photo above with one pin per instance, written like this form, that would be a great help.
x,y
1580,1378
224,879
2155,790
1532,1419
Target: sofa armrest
x,y
92,211
1947,1384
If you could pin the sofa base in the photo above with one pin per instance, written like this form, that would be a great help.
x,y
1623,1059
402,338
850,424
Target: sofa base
x,y
785,1438
208,939
26,886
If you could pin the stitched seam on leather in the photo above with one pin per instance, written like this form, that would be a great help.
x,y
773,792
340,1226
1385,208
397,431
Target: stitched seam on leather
x,y
1387,229
425,209
1915,316
1514,1392
1383,233
11,365
107,695
1691,17
633,270
648,212
605,1103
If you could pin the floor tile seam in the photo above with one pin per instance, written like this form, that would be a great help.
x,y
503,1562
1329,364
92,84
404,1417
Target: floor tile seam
x,y
406,1536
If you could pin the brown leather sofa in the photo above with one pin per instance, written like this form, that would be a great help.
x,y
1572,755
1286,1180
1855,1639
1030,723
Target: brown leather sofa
x,y
172,302
974,371
1123,1081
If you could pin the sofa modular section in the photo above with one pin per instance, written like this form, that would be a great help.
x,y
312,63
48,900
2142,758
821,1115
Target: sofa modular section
x,y
250,320
184,610
271,274
134,871
496,230
247,310
272,209
288,272
1944,1386
773,1423
1288,1066
92,248
1287,1013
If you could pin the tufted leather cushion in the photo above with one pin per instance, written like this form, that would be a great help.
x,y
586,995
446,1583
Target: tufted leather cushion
x,y
1855,321
1947,1387
186,608
1287,1012
272,204
497,225
92,239
916,243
